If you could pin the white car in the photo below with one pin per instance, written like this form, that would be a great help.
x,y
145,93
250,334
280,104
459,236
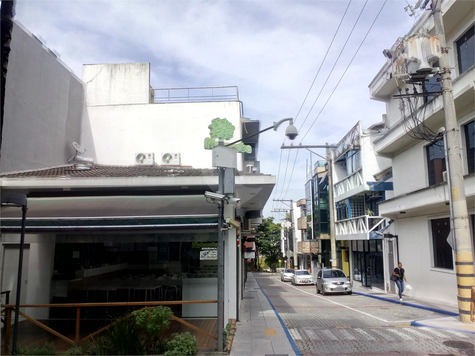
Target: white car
x,y
333,281
286,274
301,277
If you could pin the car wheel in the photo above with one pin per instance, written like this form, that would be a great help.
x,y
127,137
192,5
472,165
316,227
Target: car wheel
x,y
318,292
282,279
349,293
323,291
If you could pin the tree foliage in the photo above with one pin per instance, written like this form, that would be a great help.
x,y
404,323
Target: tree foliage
x,y
268,244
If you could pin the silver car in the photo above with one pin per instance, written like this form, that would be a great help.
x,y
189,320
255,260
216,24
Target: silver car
x,y
301,277
333,281
286,274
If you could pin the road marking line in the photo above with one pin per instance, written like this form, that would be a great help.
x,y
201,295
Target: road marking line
x,y
329,334
459,334
365,334
434,332
342,305
387,337
295,334
401,334
413,331
346,334
310,333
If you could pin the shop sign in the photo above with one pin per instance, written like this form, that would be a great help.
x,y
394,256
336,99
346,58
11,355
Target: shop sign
x,y
251,254
209,254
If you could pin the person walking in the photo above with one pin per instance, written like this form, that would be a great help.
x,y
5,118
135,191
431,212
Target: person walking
x,y
401,278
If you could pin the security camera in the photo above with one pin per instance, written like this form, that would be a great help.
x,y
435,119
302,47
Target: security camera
x,y
234,200
233,223
387,53
291,131
215,196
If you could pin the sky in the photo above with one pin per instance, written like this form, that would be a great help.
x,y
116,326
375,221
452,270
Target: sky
x,y
308,59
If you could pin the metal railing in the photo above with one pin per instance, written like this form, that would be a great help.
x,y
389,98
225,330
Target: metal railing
x,y
10,308
362,227
349,183
194,95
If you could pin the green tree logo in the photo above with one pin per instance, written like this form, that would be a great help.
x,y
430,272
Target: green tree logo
x,y
220,130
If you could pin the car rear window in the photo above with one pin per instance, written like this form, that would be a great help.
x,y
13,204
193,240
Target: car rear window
x,y
289,271
301,273
333,273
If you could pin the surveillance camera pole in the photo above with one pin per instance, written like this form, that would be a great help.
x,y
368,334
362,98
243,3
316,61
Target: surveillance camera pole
x,y
463,245
220,315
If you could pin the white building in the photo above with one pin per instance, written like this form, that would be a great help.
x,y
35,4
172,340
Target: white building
x,y
125,203
361,180
414,115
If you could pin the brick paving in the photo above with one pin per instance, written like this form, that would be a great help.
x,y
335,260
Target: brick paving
x,y
353,324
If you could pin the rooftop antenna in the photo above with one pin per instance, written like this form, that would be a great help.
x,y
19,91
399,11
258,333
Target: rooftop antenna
x,y
79,161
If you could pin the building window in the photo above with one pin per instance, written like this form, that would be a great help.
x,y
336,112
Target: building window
x,y
443,257
470,146
353,161
466,50
436,162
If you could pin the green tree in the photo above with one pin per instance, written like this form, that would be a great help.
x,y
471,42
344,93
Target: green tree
x,y
268,244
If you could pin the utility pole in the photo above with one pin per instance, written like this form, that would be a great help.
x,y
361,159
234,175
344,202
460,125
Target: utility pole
x,y
461,231
294,238
286,237
330,195
332,208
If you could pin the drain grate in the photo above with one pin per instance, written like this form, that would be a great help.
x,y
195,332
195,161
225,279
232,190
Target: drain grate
x,y
459,344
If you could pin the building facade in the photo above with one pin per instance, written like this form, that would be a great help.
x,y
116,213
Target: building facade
x,y
409,84
356,195
115,175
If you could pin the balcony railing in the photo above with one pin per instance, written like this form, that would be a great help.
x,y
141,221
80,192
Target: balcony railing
x,y
194,95
363,227
348,184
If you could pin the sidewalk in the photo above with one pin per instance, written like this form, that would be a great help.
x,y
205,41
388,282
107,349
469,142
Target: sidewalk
x,y
260,331
449,322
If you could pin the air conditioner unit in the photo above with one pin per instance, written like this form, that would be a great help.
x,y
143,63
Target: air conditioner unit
x,y
246,225
145,158
250,168
171,158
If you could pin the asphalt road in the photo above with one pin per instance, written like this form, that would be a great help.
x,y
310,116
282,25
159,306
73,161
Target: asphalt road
x,y
344,324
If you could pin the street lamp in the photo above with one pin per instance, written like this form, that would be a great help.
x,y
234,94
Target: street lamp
x,y
18,200
221,197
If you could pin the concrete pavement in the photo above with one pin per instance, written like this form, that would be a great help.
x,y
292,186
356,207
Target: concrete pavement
x,y
261,332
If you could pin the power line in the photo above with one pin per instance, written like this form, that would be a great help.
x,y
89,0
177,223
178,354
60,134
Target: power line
x,y
308,92
323,61
341,77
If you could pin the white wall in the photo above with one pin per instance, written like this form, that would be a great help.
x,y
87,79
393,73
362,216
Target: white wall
x,y
410,170
36,273
121,130
116,84
415,253
43,107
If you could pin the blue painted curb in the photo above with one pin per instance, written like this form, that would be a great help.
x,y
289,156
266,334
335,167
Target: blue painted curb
x,y
440,311
292,343
417,323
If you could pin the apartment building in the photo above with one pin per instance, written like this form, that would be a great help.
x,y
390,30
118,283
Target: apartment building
x,y
413,138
